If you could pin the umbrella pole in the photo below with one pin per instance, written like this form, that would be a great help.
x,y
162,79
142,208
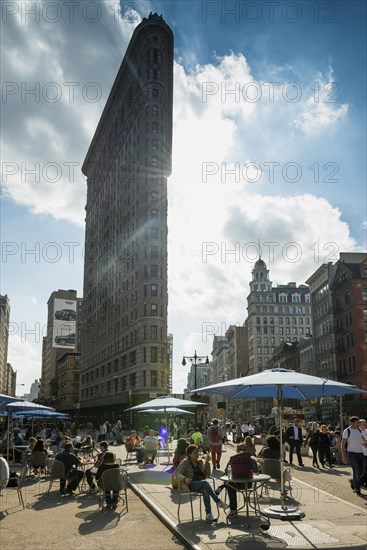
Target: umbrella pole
x,y
283,512
280,407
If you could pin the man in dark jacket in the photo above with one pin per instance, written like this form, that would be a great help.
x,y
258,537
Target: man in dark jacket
x,y
74,476
293,437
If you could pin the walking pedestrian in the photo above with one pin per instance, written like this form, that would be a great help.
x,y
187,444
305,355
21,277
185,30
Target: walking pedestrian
x,y
351,449
313,439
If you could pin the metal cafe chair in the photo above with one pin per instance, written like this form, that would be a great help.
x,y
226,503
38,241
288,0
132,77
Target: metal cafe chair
x,y
114,479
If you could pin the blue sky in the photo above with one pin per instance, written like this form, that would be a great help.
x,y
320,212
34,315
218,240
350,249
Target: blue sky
x,y
307,124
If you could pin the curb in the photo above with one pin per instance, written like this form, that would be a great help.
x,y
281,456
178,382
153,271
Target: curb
x,y
189,544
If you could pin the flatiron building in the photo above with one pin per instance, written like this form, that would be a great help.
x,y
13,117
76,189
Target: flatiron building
x,y
125,345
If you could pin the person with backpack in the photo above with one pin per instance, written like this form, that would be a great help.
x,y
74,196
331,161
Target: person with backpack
x,y
240,465
351,449
215,434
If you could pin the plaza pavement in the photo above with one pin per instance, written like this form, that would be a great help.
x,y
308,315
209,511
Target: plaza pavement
x,y
335,518
330,522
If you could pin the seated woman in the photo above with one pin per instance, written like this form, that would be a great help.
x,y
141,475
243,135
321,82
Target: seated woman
x,y
271,450
133,441
180,451
85,443
191,470
39,447
108,463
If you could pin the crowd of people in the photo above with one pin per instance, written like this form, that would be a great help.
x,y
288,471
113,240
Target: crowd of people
x,y
327,446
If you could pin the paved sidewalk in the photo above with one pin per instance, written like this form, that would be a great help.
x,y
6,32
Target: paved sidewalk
x,y
329,521
50,522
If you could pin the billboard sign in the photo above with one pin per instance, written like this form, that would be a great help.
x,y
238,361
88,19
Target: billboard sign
x,y
64,324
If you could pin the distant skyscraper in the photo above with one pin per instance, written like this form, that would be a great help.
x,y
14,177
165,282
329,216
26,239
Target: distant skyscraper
x,y
63,334
4,337
125,345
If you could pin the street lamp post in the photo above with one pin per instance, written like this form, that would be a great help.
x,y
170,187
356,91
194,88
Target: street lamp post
x,y
194,358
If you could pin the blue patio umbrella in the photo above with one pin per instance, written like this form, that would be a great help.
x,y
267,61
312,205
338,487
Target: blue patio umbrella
x,y
39,413
282,384
18,406
5,400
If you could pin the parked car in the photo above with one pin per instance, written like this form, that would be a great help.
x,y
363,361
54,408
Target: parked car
x,y
66,314
68,340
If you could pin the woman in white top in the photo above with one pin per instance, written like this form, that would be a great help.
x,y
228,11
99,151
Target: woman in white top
x,y
4,472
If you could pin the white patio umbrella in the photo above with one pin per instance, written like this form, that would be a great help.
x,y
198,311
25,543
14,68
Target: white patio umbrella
x,y
165,401
282,384
169,410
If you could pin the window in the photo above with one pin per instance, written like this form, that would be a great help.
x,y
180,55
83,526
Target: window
x,y
154,310
153,378
154,355
153,332
154,290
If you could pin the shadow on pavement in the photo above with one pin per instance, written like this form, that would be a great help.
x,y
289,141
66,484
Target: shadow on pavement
x,y
98,521
152,476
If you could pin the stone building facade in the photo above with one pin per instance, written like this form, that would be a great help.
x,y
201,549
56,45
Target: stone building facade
x,y
349,298
4,338
125,344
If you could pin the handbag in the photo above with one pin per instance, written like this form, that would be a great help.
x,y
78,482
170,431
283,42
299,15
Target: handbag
x,y
174,480
183,487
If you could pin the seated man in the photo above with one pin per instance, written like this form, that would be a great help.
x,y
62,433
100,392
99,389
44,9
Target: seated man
x,y
239,465
108,462
151,445
103,447
197,437
74,476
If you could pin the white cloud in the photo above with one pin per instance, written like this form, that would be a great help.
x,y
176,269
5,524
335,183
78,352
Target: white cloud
x,y
25,359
